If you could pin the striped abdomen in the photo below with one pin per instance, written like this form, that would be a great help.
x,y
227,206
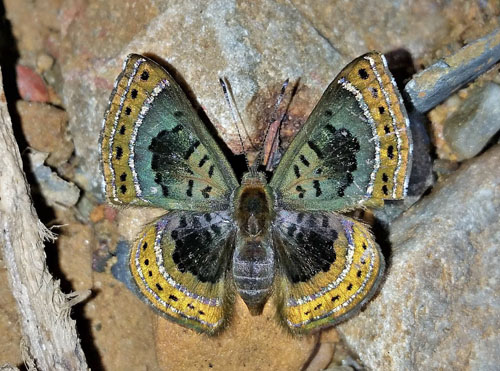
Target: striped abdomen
x,y
253,272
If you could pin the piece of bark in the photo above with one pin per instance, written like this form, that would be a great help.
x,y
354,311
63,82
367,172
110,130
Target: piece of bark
x,y
50,340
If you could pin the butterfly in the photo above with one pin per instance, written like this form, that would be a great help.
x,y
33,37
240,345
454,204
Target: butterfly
x,y
285,239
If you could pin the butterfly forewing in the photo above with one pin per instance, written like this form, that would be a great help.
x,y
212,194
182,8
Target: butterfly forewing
x,y
330,266
355,146
180,266
155,149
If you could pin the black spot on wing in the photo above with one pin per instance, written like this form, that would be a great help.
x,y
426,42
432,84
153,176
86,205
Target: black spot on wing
x,y
296,171
119,153
307,250
363,74
339,149
168,149
199,248
317,187
301,191
189,191
191,150
203,160
315,148
206,191
303,159
390,152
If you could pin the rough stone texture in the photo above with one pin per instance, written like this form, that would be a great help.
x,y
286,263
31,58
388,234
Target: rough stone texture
x,y
256,343
437,82
31,85
56,191
439,306
255,45
44,128
475,122
118,323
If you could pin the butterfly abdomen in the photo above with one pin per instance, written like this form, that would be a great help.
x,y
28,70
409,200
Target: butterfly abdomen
x,y
253,272
253,259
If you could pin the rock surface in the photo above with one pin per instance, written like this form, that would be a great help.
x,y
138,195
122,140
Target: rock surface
x,y
430,87
439,306
56,191
256,47
254,343
44,128
475,122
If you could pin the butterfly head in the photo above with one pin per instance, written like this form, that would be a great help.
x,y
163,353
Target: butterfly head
x,y
254,178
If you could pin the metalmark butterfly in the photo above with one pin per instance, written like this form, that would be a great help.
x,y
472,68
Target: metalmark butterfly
x,y
284,239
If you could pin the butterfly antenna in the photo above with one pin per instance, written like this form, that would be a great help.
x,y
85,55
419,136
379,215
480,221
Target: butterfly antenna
x,y
233,114
258,159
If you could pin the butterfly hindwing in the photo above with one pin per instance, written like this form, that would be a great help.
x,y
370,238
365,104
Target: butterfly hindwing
x,y
330,266
355,146
180,267
155,149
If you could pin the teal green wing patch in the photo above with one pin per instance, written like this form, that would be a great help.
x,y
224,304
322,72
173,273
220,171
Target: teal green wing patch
x,y
354,147
155,149
180,264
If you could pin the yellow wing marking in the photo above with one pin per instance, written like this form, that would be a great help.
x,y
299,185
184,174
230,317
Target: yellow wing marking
x,y
133,87
332,296
167,295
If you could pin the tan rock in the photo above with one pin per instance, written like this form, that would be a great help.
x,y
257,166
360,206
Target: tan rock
x,y
44,128
250,343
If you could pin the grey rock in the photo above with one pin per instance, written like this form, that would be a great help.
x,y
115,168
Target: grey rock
x,y
241,43
255,45
439,306
56,191
476,121
436,83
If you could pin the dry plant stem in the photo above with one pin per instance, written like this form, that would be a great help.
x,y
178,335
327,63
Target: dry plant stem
x,y
49,333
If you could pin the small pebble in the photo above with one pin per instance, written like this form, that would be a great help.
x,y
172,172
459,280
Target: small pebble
x,y
44,62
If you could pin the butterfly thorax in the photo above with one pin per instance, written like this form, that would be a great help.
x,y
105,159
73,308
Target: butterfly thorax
x,y
253,260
